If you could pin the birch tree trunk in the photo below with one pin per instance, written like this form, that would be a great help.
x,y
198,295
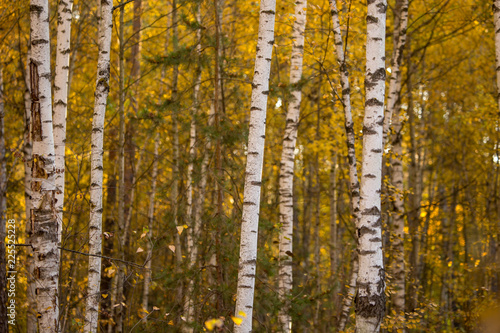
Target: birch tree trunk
x,y
253,171
287,166
193,233
370,299
97,152
351,154
393,110
3,212
64,16
399,37
117,284
43,217
27,152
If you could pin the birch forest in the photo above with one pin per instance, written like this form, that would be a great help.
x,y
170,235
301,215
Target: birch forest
x,y
249,166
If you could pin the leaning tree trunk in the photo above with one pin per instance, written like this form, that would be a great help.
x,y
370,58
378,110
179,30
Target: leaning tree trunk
x,y
43,217
95,228
393,109
287,167
3,212
253,171
61,99
370,299
351,154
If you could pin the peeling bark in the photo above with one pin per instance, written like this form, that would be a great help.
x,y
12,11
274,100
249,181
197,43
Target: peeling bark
x,y
43,217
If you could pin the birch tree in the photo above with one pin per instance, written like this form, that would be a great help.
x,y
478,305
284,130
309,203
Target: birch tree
x,y
43,217
370,299
27,153
393,110
193,232
97,152
64,15
253,170
287,165
351,152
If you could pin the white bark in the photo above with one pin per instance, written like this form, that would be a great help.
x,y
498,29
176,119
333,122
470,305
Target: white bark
x,y
351,153
44,224
351,292
397,56
253,171
370,299
64,16
287,166
27,152
193,232
95,228
393,111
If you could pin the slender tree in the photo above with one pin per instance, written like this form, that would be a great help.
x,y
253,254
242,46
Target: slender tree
x,y
393,110
193,232
97,152
351,153
287,166
45,226
370,299
253,171
64,17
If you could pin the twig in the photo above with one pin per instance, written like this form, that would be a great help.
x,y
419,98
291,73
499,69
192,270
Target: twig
x,y
91,255
122,4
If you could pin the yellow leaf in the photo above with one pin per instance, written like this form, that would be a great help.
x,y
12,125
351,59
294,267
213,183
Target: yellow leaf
x,y
104,295
185,226
242,314
237,320
212,323
180,229
171,323
139,250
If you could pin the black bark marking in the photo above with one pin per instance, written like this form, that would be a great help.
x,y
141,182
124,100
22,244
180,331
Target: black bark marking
x,y
371,211
374,102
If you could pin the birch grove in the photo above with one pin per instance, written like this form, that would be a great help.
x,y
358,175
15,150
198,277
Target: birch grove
x,y
97,152
253,173
370,298
287,166
196,215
